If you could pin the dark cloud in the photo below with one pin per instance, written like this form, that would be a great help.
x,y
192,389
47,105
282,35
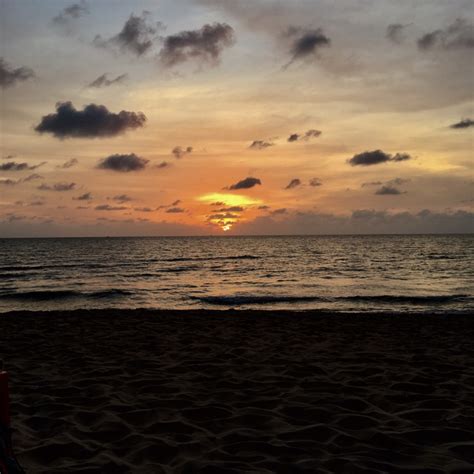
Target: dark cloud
x,y
219,217
204,45
9,182
315,182
306,43
69,163
32,177
123,163
108,207
83,197
391,182
72,12
13,166
395,32
57,187
36,203
10,76
279,212
363,221
163,164
260,145
179,152
376,157
232,209
93,122
102,81
464,123
388,190
174,204
294,137
263,208
121,198
175,210
136,37
458,35
246,183
143,209
294,183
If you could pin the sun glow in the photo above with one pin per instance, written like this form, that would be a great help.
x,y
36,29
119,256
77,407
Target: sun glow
x,y
228,199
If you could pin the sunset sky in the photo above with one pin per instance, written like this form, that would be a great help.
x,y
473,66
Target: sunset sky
x,y
196,117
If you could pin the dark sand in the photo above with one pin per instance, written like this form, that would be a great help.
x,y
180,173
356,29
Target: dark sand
x,y
233,392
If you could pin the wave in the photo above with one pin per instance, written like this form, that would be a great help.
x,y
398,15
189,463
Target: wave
x,y
42,295
201,259
254,299
237,300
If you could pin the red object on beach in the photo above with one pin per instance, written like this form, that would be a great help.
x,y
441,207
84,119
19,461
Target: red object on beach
x,y
4,399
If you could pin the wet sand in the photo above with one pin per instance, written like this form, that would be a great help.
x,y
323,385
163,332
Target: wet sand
x,y
240,392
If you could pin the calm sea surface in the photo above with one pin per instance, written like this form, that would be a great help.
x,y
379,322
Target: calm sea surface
x,y
349,273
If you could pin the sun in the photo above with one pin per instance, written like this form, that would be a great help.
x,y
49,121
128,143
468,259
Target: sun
x,y
226,227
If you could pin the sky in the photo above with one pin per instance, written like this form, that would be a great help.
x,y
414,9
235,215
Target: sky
x,y
232,117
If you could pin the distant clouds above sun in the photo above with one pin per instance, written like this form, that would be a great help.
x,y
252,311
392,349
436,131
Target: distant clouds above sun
x,y
245,117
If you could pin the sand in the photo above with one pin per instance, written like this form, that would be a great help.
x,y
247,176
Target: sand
x,y
234,392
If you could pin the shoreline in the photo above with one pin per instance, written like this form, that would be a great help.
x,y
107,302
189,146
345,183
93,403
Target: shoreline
x,y
228,391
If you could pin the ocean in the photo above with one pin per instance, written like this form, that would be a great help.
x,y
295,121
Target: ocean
x,y
407,273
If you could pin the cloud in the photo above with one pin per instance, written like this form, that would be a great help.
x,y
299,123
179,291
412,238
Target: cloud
x,y
72,12
95,121
260,145
263,208
102,81
136,37
315,182
294,137
361,221
143,209
123,163
246,183
108,207
175,203
294,183
32,177
9,182
163,164
232,209
83,197
69,163
13,166
458,35
220,217
388,190
10,76
391,182
175,210
464,123
57,187
375,157
121,198
395,32
204,45
279,212
179,152
306,43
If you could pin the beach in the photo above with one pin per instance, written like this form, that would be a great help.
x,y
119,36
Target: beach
x,y
139,391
